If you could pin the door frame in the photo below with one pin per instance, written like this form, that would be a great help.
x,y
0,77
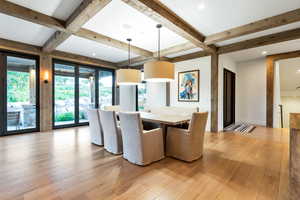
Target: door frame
x,y
3,92
224,97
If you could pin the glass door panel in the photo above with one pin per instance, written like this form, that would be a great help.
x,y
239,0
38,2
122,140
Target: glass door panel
x,y
87,92
105,88
64,94
21,94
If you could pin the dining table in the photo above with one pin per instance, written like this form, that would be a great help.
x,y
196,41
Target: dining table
x,y
164,121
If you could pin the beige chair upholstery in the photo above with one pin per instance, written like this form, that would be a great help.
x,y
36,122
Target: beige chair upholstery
x,y
95,127
187,144
140,147
111,132
115,108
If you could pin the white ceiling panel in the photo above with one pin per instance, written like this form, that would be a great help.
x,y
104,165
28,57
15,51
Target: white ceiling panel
x,y
22,31
289,74
90,48
60,9
184,52
262,33
120,21
256,53
213,16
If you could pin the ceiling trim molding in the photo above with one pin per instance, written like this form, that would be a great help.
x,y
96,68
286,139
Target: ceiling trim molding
x,y
261,25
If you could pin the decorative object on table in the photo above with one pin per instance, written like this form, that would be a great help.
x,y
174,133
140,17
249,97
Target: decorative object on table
x,y
188,86
128,76
159,71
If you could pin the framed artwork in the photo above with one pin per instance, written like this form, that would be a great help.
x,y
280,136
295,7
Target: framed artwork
x,y
188,86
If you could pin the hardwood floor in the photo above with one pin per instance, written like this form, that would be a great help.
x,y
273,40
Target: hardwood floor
x,y
64,165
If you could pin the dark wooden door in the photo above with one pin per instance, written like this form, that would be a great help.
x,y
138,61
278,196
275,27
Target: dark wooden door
x,y
229,98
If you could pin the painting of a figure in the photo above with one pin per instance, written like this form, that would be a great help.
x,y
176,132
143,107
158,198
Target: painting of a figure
x,y
188,86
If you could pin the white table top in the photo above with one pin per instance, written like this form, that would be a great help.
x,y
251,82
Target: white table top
x,y
164,119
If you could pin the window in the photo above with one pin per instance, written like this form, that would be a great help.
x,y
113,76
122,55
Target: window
x,y
87,92
19,93
106,83
141,94
78,88
64,95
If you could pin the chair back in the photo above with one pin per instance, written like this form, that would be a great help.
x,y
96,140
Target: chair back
x,y
95,126
110,130
13,118
198,123
132,130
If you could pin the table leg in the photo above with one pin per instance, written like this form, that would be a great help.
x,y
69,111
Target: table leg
x,y
164,131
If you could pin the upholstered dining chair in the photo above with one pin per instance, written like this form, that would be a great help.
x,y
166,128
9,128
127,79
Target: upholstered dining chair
x,y
187,144
95,127
140,147
111,132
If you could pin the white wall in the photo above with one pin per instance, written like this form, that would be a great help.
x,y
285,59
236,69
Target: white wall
x,y
277,97
202,64
225,62
290,104
128,98
156,94
251,92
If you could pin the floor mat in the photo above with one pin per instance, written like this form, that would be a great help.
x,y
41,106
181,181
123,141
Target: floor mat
x,y
241,127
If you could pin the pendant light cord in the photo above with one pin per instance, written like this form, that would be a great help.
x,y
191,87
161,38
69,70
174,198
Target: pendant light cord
x,y
158,26
129,60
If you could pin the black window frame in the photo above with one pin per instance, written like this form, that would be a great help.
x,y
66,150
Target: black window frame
x,y
3,92
77,66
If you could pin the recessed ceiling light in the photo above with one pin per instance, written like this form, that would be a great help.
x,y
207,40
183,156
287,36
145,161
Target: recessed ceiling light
x,y
201,6
264,52
94,54
298,71
126,26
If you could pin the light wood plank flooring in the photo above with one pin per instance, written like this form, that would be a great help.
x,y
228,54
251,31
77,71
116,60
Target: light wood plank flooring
x,y
64,165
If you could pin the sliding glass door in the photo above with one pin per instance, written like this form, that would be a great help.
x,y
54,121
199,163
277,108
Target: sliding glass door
x,y
19,93
78,88
106,88
64,95
87,92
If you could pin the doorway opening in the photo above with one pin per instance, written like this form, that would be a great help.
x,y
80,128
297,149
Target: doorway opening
x,y
229,98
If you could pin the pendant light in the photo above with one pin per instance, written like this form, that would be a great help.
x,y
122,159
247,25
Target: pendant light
x,y
128,76
159,71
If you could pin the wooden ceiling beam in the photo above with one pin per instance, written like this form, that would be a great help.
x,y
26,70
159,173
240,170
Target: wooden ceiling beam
x,y
62,32
91,35
261,41
261,25
84,12
36,50
165,52
26,14
19,47
194,55
82,59
163,15
87,10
